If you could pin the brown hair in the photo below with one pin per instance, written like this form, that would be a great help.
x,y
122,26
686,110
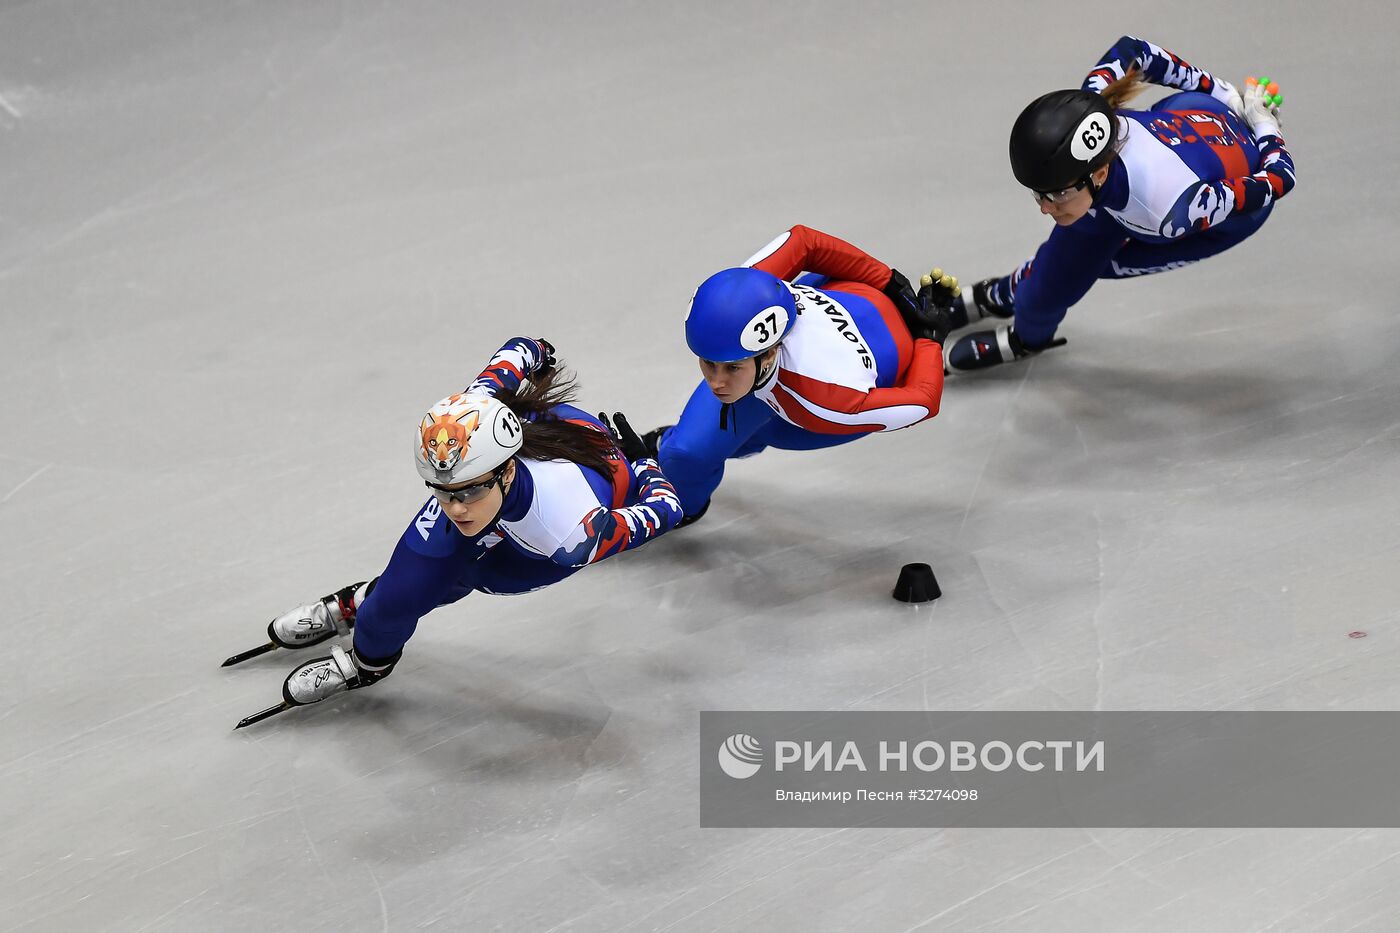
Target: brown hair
x,y
1124,89
549,437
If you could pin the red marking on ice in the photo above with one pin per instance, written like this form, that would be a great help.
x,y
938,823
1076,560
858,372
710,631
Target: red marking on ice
x,y
1356,634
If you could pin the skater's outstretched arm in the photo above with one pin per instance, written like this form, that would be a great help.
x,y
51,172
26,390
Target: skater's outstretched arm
x,y
1213,202
803,249
420,576
605,532
1156,65
1064,269
518,360
833,409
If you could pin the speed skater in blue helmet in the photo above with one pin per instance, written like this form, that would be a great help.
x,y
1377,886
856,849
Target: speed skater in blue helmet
x,y
735,323
812,343
738,314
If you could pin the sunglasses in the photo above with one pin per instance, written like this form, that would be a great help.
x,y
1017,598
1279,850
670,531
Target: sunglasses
x,y
468,494
1064,194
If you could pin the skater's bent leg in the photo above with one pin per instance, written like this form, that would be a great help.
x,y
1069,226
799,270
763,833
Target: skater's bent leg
x,y
692,453
398,603
1138,258
786,436
427,570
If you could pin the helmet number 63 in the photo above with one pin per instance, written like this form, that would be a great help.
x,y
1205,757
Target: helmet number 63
x,y
1094,134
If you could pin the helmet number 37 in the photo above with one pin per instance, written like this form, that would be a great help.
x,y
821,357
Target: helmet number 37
x,y
765,329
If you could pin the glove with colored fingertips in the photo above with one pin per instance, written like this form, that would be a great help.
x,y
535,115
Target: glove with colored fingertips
x,y
940,287
1261,107
933,320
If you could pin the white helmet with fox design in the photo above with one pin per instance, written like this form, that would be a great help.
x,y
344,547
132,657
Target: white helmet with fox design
x,y
465,436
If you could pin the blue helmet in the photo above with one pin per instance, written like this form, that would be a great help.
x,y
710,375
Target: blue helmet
x,y
738,314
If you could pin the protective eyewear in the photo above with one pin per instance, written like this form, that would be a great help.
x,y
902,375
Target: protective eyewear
x,y
467,494
1064,194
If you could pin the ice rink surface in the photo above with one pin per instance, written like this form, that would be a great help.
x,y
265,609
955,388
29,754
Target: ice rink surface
x,y
244,245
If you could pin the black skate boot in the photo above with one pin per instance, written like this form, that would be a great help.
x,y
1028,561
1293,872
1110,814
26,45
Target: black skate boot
x,y
652,440
693,517
983,349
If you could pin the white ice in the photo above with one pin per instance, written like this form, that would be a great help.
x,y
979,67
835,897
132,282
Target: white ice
x,y
244,245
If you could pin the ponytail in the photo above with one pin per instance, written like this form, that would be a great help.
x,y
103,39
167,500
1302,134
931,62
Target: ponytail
x,y
1118,93
549,437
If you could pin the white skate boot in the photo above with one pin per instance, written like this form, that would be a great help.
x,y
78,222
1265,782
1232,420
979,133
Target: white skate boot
x,y
320,621
317,680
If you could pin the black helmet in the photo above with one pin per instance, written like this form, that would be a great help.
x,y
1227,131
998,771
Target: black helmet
x,y
1060,138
